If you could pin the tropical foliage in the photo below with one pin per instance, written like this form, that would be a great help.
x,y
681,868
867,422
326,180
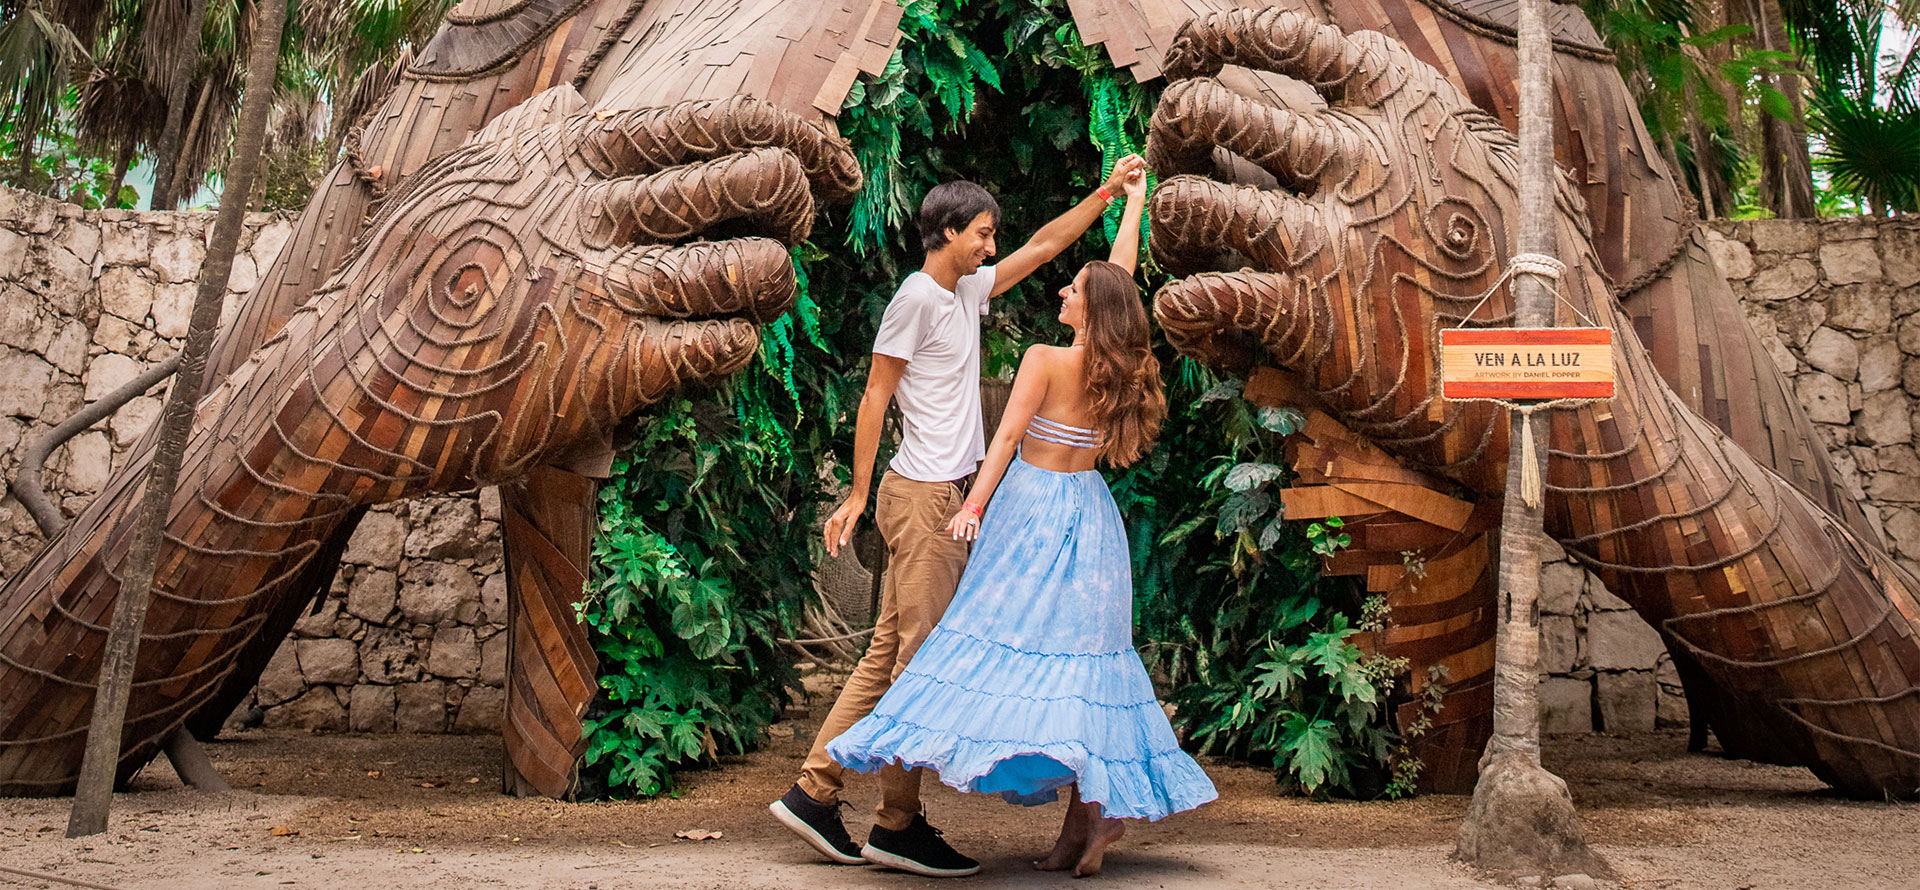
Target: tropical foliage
x,y
1866,107
99,75
1733,91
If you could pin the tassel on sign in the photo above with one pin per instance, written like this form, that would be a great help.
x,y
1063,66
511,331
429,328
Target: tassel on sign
x,y
1529,461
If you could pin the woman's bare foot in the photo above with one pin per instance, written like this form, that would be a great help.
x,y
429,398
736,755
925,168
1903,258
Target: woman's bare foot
x,y
1104,832
1066,852
1072,841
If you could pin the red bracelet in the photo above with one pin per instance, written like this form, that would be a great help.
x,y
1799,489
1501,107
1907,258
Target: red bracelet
x,y
1104,194
973,508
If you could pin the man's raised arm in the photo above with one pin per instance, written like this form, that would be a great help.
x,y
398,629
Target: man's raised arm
x,y
1066,228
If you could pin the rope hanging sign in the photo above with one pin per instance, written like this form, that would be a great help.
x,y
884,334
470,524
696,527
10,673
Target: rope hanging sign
x,y
1546,367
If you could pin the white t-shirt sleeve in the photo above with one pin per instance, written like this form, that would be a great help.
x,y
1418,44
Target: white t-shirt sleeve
x,y
904,326
977,288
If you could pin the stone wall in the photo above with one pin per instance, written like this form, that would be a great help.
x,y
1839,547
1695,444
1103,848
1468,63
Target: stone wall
x,y
409,637
1837,305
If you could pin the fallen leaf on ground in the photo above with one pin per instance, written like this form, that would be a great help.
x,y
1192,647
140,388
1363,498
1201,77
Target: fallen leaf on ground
x,y
284,831
698,834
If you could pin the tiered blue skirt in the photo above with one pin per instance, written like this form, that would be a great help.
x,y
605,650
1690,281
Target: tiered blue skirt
x,y
1031,682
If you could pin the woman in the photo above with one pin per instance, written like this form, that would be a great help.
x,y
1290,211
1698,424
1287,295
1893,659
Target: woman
x,y
1031,682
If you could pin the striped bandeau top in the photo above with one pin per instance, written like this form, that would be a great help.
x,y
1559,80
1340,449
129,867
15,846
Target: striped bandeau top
x,y
1054,431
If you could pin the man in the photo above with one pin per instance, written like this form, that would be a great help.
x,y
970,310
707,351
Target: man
x,y
927,355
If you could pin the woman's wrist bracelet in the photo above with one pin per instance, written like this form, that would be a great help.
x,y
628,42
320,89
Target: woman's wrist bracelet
x,y
1104,193
973,508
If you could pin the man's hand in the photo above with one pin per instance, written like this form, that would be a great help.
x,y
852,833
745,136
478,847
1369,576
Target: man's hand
x,y
1135,185
840,525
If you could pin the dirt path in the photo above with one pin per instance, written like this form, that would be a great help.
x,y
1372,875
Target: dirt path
x,y
395,813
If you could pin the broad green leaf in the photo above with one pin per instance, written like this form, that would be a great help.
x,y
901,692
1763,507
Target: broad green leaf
x,y
1252,474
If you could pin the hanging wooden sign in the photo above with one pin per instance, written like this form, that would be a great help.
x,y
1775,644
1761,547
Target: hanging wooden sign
x,y
1526,363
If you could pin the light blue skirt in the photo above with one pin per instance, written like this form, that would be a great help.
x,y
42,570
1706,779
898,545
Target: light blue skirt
x,y
1031,682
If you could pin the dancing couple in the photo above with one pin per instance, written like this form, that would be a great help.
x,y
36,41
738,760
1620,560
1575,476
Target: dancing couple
x,y
1013,671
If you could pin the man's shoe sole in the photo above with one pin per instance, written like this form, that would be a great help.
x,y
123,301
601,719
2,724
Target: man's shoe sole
x,y
878,856
800,827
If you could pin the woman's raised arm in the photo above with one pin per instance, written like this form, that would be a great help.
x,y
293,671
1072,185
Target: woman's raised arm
x,y
1126,243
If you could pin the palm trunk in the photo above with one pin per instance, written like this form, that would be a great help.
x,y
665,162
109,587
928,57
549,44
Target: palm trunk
x,y
177,90
122,159
1522,817
95,790
1786,167
177,176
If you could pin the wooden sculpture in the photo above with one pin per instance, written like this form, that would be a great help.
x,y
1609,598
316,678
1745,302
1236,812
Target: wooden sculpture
x,y
1648,245
1391,222
499,273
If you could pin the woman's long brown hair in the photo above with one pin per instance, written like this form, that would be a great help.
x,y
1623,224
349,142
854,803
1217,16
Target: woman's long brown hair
x,y
1123,377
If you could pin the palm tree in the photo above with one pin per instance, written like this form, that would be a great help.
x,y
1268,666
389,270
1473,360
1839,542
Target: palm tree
x,y
172,47
1786,168
1867,109
1521,817
95,789
38,53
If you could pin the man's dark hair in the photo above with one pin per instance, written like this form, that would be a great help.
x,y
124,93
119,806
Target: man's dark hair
x,y
953,205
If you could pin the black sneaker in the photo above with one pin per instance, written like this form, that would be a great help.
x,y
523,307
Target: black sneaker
x,y
818,824
918,849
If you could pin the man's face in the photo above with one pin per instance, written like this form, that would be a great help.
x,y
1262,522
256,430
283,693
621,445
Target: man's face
x,y
972,245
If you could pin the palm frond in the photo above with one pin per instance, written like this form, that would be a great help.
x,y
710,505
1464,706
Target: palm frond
x,y
1870,151
38,56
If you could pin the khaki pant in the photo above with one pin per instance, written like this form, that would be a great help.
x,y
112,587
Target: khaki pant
x,y
923,568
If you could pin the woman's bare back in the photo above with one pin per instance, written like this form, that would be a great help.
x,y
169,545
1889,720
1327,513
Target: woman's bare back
x,y
1066,402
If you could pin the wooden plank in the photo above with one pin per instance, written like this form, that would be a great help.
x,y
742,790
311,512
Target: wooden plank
x,y
1319,502
1420,503
1347,469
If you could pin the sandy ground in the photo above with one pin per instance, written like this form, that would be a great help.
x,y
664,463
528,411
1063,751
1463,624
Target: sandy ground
x,y
393,813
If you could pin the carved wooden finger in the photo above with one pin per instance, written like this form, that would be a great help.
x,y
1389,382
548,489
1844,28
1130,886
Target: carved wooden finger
x,y
1303,149
1284,42
671,354
766,188
628,143
749,277
1195,219
1217,317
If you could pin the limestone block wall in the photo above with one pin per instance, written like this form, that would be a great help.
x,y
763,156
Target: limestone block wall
x,y
409,637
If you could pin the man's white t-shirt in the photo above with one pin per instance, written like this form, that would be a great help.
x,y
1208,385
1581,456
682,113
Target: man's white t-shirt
x,y
937,331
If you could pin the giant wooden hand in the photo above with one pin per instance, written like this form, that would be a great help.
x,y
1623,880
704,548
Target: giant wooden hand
x,y
1394,219
512,303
